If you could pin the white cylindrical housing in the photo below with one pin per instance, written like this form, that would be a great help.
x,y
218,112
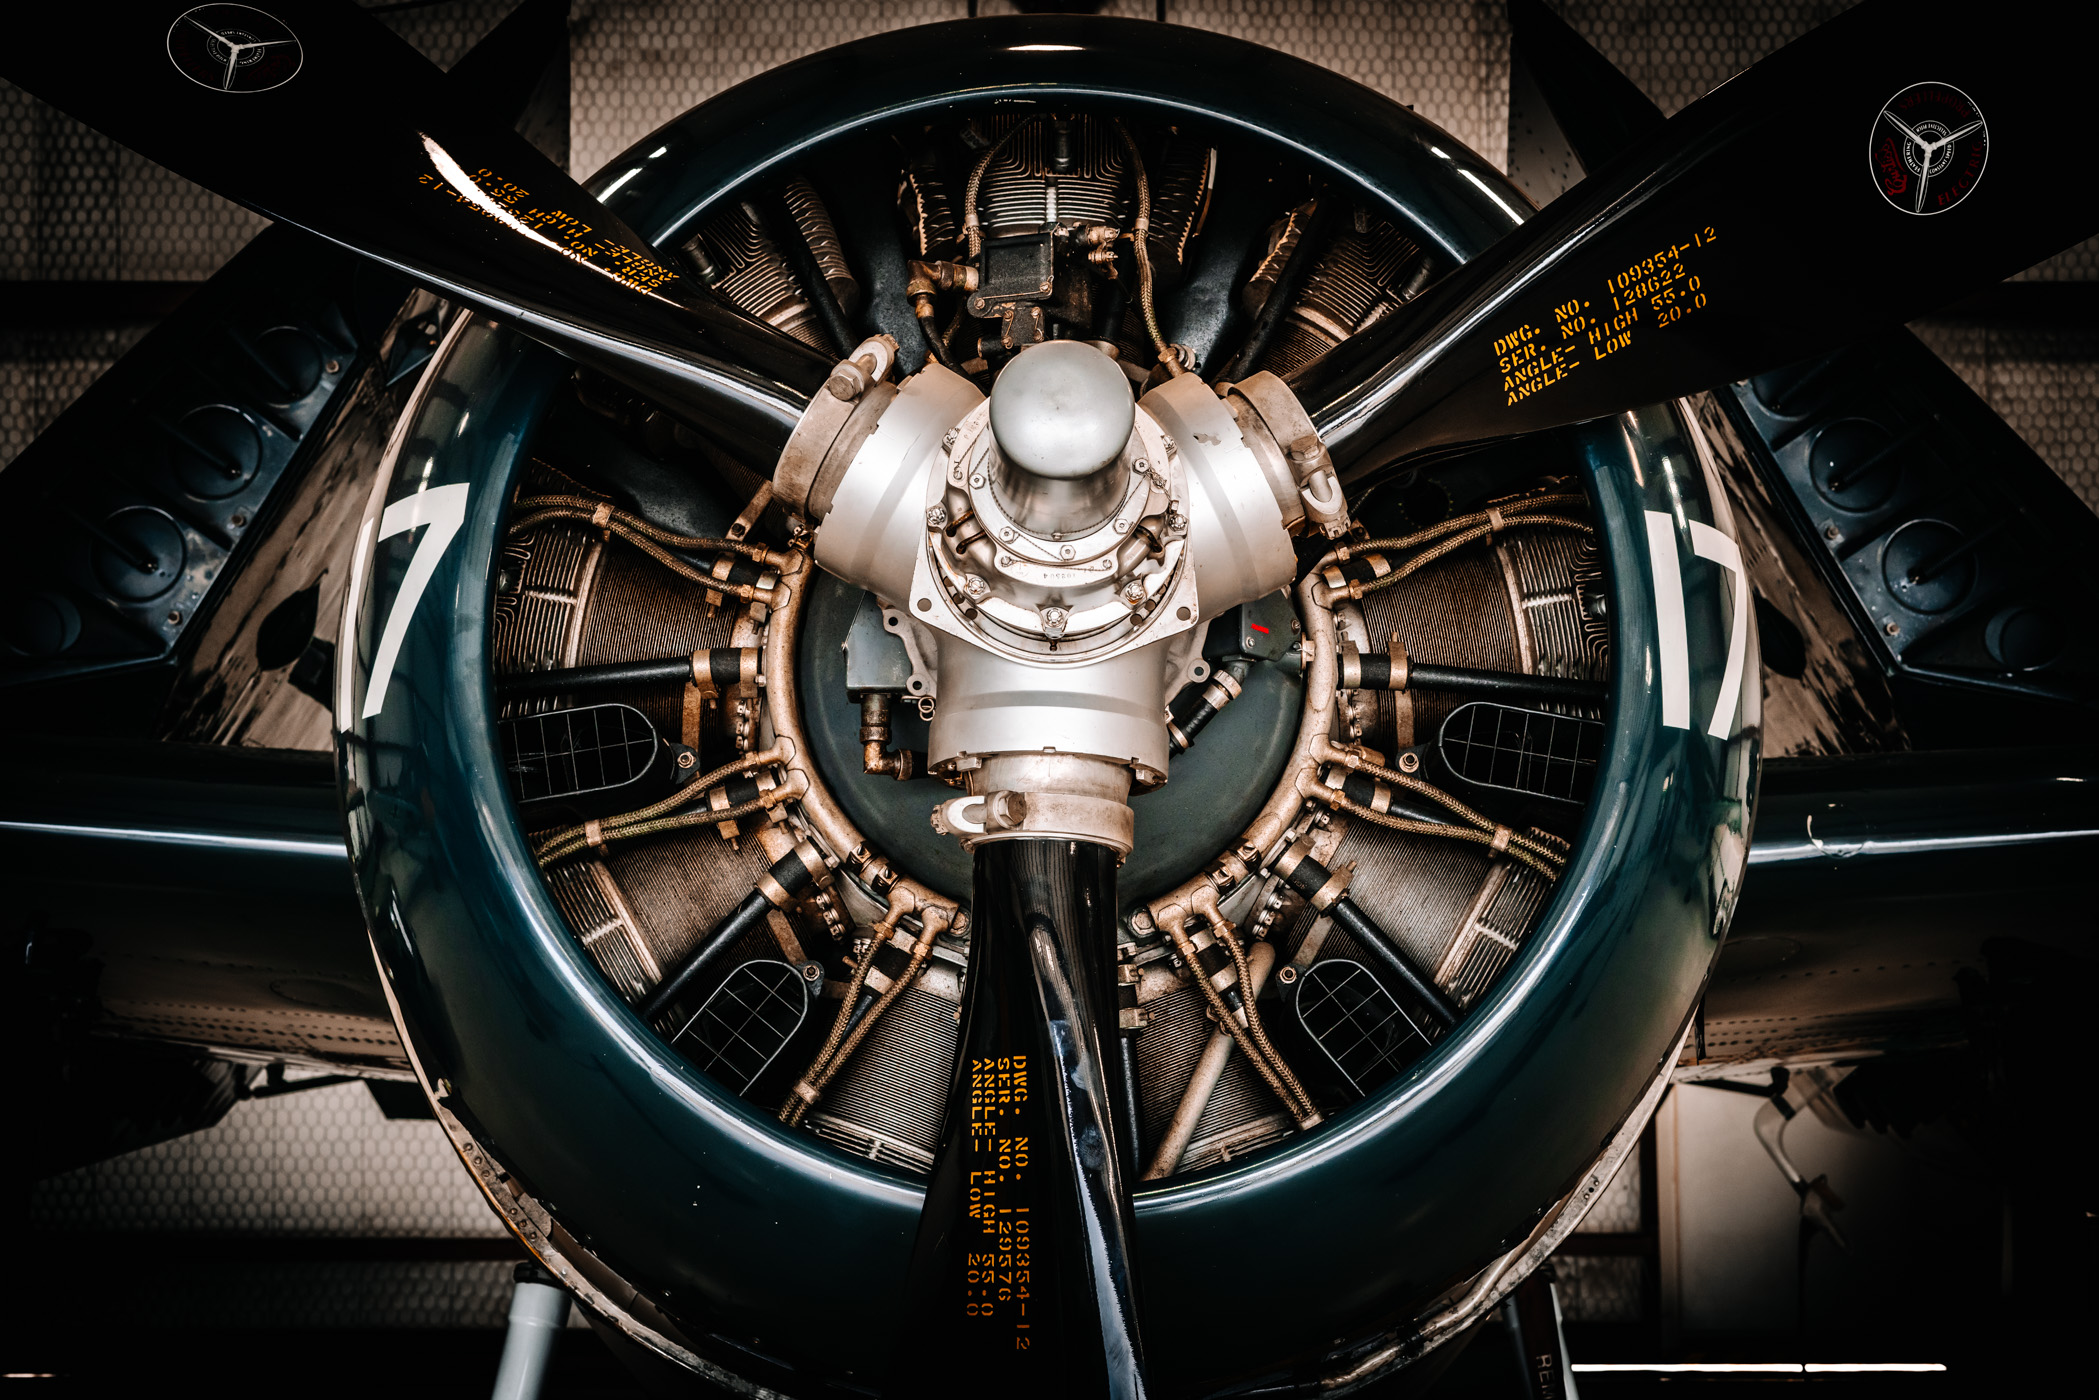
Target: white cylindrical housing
x,y
1061,413
1242,548
991,704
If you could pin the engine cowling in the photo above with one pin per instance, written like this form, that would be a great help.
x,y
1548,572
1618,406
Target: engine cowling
x,y
688,1215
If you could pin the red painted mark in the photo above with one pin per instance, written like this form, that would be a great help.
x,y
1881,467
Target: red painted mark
x,y
1258,628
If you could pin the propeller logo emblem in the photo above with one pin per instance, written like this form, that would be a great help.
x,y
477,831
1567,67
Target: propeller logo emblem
x,y
1929,147
234,48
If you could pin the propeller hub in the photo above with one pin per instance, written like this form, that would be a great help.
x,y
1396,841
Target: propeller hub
x,y
1062,414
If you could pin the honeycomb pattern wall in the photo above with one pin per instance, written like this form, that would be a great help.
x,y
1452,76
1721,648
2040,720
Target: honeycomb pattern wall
x,y
42,372
315,1166
1599,1289
1605,1289
322,1162
342,1294
638,63
2043,381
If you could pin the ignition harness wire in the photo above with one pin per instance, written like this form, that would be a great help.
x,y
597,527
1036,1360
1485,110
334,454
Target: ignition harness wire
x,y
1140,233
1542,855
651,539
1451,535
839,1046
1299,1105
656,817
1299,1101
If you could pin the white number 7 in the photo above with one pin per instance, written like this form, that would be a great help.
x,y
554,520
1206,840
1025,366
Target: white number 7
x,y
1673,642
443,509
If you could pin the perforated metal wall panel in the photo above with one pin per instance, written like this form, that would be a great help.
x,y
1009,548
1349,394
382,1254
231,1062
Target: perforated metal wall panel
x,y
322,1162
2043,381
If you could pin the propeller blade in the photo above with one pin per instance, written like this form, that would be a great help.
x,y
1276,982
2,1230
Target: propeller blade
x,y
1570,110
317,115
1895,159
1023,1249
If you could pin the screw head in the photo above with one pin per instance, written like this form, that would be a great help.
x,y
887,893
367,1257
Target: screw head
x,y
1408,762
976,481
1065,551
237,520
1122,527
1133,590
1286,975
1831,532
333,367
1894,629
936,518
1140,466
1007,533
175,617
687,759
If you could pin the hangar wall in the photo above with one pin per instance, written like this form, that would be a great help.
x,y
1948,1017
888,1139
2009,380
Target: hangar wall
x,y
75,208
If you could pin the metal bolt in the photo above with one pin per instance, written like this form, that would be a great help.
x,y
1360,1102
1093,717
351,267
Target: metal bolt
x,y
1894,629
812,972
237,520
1140,466
974,585
1831,532
1286,976
175,618
1408,762
947,442
936,518
1122,527
1065,551
687,759
1133,591
1007,534
333,367
976,481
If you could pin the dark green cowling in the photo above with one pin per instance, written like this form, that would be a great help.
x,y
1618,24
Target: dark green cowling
x,y
776,1258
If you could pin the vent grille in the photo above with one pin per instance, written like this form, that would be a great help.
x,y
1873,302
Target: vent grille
x,y
566,753
1530,751
1355,1021
742,1028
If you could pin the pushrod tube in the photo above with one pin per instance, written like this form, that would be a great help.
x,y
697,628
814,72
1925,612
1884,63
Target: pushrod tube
x,y
1023,1251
